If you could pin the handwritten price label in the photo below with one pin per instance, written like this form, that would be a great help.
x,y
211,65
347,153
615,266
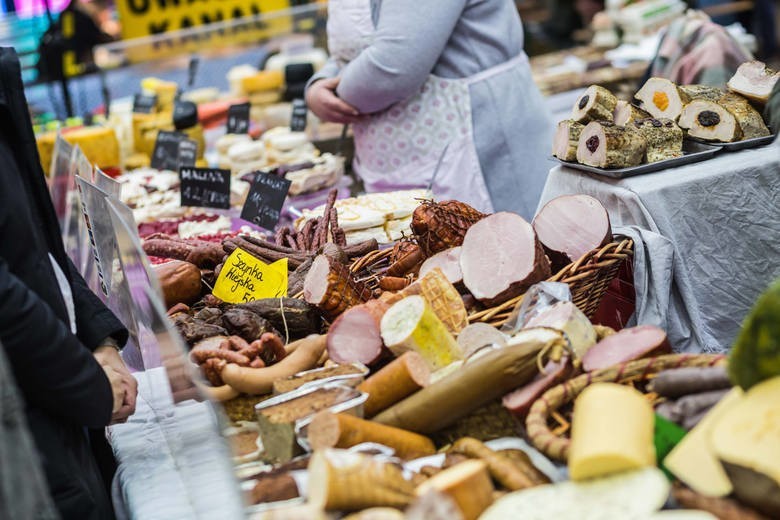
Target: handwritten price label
x,y
244,278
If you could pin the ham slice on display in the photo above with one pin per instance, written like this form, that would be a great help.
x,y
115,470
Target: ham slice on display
x,y
449,263
519,402
626,345
355,335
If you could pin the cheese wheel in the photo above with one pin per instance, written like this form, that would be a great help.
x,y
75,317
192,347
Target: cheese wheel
x,y
612,431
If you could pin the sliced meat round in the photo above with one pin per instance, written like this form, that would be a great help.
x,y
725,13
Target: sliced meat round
x,y
449,263
355,335
626,345
330,286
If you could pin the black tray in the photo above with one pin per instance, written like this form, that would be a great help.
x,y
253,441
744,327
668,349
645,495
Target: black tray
x,y
740,145
693,151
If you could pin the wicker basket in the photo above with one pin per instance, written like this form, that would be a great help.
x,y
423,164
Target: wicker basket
x,y
553,441
588,279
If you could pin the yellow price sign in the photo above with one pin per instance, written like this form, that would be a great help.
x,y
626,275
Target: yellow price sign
x,y
244,278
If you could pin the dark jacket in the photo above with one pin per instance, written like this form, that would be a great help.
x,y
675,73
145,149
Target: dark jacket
x,y
65,389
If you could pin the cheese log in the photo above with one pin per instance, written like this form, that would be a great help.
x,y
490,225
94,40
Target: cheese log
x,y
612,431
355,335
329,430
411,324
478,382
467,483
693,461
395,381
344,481
501,258
567,136
448,261
444,299
330,286
626,345
570,226
626,113
566,317
605,145
746,440
596,104
754,81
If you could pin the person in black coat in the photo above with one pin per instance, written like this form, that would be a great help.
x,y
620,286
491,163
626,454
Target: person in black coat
x,y
61,341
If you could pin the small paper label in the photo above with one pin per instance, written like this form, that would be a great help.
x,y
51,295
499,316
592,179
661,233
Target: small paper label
x,y
166,150
238,119
244,278
205,187
143,104
264,203
299,111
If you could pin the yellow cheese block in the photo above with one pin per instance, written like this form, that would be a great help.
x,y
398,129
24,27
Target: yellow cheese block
x,y
263,80
693,460
165,90
99,144
612,431
146,127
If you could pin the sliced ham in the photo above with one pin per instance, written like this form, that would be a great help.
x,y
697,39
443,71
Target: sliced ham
x,y
570,226
449,263
606,145
626,345
501,257
754,80
355,335
519,401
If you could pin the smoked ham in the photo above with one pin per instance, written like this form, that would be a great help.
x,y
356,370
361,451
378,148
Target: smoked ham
x,y
449,263
663,137
519,402
662,98
330,286
626,113
605,145
626,345
729,118
570,226
355,335
567,136
596,104
754,81
501,257
441,225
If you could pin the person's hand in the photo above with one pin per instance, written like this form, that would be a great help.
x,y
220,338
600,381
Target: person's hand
x,y
109,357
117,389
321,99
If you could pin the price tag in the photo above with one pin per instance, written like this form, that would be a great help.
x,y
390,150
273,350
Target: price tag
x,y
188,152
238,119
264,203
205,187
299,111
244,278
166,150
144,104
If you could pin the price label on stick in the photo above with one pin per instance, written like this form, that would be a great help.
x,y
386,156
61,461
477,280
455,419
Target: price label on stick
x,y
263,205
188,152
144,104
166,150
205,187
299,113
238,119
245,278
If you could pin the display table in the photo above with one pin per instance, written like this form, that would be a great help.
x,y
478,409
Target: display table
x,y
710,239
172,461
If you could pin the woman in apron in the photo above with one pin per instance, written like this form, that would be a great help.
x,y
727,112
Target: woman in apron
x,y
431,80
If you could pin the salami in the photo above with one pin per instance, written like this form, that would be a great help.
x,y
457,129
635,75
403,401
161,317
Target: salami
x,y
626,345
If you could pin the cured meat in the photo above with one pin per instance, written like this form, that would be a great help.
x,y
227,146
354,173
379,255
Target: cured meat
x,y
567,136
663,137
519,402
605,145
596,104
449,263
442,225
626,113
570,226
754,81
330,286
501,257
355,335
662,98
290,316
626,345
730,118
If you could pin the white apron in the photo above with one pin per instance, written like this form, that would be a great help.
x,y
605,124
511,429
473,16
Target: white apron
x,y
399,147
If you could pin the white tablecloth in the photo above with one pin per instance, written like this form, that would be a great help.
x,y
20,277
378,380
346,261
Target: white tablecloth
x,y
711,235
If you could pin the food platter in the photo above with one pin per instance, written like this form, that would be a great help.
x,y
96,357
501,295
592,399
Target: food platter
x,y
693,151
741,145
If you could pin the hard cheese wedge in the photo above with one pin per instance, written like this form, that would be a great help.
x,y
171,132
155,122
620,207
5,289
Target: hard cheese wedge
x,y
693,461
612,431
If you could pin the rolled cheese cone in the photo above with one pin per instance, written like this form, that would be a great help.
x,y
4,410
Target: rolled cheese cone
x,y
330,286
626,113
566,317
467,483
329,430
412,325
663,137
345,481
567,136
612,432
663,98
605,145
596,104
444,299
395,381
754,81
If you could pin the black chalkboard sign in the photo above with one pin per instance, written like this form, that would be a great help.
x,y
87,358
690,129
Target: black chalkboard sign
x,y
298,121
238,119
205,187
166,150
144,104
188,152
264,203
